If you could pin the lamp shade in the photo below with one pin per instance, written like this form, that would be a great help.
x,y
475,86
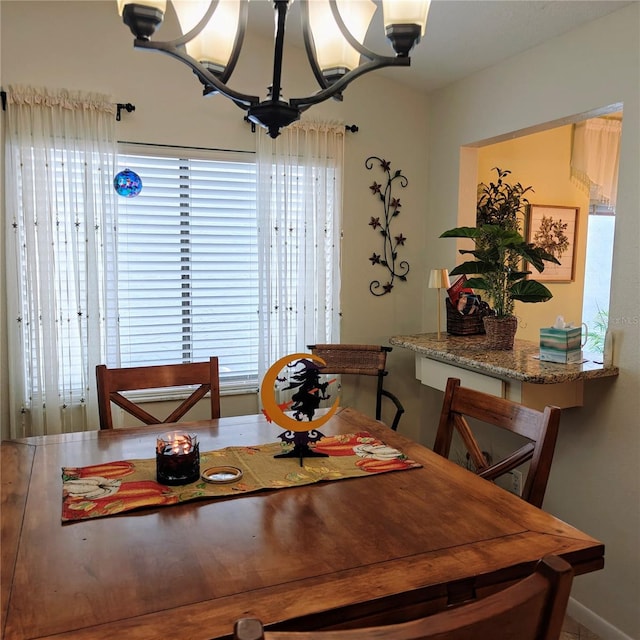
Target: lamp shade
x,y
397,12
332,50
214,44
439,279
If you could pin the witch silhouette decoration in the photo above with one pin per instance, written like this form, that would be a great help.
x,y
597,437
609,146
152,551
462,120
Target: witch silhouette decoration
x,y
304,371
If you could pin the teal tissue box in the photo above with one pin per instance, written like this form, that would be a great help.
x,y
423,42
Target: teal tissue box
x,y
561,345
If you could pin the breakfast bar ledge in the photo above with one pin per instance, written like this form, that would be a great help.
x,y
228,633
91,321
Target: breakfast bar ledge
x,y
516,374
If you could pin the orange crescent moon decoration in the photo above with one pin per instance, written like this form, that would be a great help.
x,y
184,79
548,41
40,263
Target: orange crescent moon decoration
x,y
271,408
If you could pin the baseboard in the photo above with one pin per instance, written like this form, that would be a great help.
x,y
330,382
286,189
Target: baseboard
x,y
593,622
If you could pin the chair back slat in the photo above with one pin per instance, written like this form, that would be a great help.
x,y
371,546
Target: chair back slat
x,y
497,411
363,360
133,409
512,461
475,453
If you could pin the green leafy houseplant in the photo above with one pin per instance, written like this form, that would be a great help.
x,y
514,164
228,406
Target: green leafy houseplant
x,y
500,202
597,331
497,251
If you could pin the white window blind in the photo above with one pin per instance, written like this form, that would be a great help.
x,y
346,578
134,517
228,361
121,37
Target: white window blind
x,y
188,265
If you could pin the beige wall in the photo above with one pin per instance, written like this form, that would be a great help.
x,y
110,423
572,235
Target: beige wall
x,y
594,483
542,160
84,45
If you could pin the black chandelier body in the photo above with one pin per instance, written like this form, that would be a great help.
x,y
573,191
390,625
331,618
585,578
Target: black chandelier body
x,y
272,113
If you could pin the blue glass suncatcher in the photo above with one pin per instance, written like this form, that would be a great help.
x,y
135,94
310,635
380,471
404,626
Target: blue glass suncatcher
x,y
127,184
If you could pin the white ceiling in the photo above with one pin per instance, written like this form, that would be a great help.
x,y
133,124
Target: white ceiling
x,y
464,36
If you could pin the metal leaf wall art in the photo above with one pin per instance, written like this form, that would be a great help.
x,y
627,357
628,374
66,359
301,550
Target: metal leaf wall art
x,y
388,257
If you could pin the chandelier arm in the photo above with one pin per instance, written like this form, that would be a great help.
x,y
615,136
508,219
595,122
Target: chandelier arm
x,y
378,63
243,100
310,46
237,44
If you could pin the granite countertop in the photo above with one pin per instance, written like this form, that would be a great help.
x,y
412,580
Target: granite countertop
x,y
469,352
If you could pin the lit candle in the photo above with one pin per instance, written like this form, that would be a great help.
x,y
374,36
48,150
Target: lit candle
x,y
177,458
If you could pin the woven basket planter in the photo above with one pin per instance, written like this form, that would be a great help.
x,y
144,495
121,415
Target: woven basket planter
x,y
501,332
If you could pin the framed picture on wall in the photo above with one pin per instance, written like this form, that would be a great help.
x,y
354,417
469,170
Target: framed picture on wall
x,y
554,228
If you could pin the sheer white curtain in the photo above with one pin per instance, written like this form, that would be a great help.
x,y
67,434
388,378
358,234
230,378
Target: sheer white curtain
x,y
60,211
595,158
299,228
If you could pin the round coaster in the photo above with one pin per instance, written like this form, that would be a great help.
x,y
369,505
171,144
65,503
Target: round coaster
x,y
221,475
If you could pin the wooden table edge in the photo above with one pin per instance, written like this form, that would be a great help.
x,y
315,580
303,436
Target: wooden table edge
x,y
13,498
214,619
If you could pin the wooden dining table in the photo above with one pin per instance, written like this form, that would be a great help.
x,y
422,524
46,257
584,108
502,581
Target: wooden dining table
x,y
321,555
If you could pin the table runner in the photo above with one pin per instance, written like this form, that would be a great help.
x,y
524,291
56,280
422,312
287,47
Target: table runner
x,y
114,487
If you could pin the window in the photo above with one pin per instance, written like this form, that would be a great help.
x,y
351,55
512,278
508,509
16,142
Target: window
x,y
190,268
597,278
187,276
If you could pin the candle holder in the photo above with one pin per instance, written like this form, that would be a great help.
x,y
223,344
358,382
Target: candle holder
x,y
177,458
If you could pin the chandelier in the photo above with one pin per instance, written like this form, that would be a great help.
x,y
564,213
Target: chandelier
x,y
333,32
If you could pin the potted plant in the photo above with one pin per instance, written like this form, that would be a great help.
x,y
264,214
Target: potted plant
x,y
499,252
500,202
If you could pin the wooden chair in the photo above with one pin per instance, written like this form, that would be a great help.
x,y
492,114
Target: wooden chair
x,y
540,428
112,381
531,609
363,360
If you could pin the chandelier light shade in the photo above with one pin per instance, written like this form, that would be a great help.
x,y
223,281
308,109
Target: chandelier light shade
x,y
334,54
405,22
213,46
333,31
